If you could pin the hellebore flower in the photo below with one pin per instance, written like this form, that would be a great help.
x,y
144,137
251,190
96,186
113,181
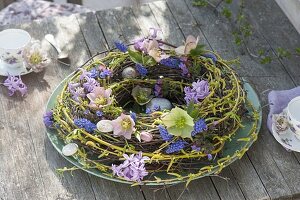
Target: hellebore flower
x,y
14,84
35,58
179,123
190,43
100,97
133,168
123,125
154,51
141,95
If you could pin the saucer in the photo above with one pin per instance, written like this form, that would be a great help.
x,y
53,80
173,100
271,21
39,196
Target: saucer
x,y
5,71
285,137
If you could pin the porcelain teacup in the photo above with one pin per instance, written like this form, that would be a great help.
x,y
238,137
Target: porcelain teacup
x,y
12,44
293,116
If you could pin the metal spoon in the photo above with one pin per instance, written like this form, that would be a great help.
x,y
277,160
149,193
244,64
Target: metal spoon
x,y
63,56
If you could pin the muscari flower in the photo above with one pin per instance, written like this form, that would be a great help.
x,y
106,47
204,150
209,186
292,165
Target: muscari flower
x,y
176,146
35,58
90,84
179,123
99,113
94,73
133,168
133,116
199,126
199,91
170,62
105,73
164,134
211,56
155,108
48,119
123,125
141,69
121,46
209,157
190,43
196,148
141,95
14,84
100,97
85,124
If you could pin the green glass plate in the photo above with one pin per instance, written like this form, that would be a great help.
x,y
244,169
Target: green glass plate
x,y
234,148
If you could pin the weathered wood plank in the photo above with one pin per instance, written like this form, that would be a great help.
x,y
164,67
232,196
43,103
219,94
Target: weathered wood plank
x,y
189,26
40,86
277,30
226,185
92,33
218,32
197,189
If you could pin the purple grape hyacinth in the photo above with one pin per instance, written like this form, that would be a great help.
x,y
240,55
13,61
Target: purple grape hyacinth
x,y
164,134
199,126
176,146
14,84
121,46
48,119
86,124
132,169
199,91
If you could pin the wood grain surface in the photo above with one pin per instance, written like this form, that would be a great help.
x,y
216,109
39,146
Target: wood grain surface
x,y
28,162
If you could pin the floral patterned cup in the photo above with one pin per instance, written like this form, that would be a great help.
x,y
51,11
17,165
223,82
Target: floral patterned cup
x,y
293,116
12,44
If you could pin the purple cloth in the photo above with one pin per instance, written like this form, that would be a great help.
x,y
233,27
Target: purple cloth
x,y
28,10
278,100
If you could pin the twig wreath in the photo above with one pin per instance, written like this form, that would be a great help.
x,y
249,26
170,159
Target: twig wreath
x,y
152,108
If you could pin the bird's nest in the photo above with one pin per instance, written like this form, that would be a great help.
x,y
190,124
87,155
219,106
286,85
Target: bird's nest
x,y
125,115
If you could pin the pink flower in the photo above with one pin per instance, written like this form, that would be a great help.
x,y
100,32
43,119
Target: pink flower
x,y
100,97
123,125
146,136
190,43
154,51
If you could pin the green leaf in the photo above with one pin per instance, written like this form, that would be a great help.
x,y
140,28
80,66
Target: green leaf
x,y
135,56
283,53
197,51
261,52
298,50
149,61
201,3
228,1
227,13
190,108
266,60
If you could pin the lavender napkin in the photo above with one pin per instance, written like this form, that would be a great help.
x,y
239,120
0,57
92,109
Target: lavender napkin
x,y
278,100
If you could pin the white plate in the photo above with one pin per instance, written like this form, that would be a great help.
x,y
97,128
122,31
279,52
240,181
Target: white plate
x,y
286,138
5,71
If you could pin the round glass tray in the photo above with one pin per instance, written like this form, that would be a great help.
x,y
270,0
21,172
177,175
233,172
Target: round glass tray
x,y
233,149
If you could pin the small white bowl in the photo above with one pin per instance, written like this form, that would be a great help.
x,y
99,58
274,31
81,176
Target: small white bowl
x,y
293,116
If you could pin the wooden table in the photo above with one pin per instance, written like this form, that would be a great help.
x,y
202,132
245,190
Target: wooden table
x,y
28,162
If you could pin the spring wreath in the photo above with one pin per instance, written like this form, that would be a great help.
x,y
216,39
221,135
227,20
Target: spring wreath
x,y
152,113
